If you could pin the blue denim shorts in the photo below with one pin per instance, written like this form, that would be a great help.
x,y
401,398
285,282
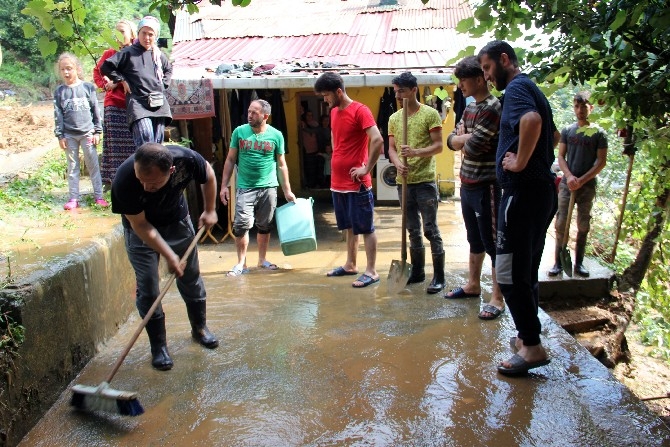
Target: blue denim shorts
x,y
355,210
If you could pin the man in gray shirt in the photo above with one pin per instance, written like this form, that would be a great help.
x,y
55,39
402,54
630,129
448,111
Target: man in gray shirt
x,y
582,154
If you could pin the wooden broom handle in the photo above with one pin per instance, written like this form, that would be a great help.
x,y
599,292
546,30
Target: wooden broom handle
x,y
403,204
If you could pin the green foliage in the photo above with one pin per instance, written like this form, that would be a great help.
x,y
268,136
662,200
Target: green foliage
x,y
41,29
23,79
12,334
12,23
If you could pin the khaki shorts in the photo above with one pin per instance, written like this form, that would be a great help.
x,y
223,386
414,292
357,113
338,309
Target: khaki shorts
x,y
254,205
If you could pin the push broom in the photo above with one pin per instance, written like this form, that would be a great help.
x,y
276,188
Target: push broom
x,y
103,397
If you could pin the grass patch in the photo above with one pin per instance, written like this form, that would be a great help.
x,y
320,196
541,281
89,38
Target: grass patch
x,y
35,194
43,192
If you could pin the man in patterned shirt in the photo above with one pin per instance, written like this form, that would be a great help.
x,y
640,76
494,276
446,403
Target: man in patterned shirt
x,y
523,167
477,136
424,141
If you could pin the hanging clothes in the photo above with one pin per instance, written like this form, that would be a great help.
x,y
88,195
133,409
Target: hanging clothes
x,y
278,116
226,130
236,114
387,107
459,104
246,96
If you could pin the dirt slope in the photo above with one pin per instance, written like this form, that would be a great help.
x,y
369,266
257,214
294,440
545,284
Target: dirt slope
x,y
23,128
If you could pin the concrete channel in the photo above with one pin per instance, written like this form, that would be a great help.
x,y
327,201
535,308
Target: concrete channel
x,y
307,360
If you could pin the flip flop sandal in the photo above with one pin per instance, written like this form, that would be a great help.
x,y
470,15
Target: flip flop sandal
x,y
237,271
267,265
458,292
365,281
520,366
490,308
340,272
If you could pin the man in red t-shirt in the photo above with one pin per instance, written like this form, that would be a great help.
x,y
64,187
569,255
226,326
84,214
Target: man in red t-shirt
x,y
353,128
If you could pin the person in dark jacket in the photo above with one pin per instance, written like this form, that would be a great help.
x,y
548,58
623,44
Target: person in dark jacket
x,y
145,73
118,143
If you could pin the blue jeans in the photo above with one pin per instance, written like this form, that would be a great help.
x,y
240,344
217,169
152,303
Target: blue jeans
x,y
422,200
145,263
525,214
479,205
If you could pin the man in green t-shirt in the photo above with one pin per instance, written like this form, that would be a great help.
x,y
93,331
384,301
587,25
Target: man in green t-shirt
x,y
258,151
424,141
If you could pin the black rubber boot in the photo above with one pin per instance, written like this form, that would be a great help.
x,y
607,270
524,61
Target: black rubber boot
x,y
438,282
418,260
197,315
580,248
557,268
160,357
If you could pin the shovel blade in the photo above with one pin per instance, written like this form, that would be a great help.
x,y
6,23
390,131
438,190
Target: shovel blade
x,y
566,261
399,274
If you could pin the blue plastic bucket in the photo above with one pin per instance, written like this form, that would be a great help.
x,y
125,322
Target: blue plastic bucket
x,y
295,225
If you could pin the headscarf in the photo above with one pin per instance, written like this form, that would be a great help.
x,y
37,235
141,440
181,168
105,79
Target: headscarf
x,y
153,23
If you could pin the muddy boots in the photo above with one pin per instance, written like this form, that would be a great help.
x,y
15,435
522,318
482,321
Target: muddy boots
x,y
418,260
160,357
437,283
580,248
197,315
557,268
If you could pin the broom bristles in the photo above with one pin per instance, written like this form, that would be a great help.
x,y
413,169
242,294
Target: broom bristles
x,y
106,399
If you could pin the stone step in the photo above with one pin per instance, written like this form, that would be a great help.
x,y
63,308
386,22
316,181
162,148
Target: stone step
x,y
562,287
582,319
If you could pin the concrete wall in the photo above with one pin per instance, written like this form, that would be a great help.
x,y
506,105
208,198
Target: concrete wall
x,y
68,309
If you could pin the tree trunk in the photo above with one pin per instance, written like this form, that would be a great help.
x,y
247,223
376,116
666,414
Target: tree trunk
x,y
631,279
172,22
633,275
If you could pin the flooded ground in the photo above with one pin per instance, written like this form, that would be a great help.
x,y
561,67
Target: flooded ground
x,y
307,360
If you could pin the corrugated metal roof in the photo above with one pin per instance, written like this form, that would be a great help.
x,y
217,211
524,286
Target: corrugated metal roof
x,y
350,32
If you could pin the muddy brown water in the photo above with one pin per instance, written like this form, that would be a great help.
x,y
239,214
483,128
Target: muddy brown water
x,y
307,360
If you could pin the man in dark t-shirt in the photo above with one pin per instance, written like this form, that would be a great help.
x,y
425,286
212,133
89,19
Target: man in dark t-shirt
x,y
148,191
582,154
523,168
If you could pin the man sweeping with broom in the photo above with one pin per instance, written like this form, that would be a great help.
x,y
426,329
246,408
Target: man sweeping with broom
x,y
148,191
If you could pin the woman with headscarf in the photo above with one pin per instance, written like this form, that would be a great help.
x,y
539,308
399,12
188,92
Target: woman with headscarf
x,y
145,73
117,143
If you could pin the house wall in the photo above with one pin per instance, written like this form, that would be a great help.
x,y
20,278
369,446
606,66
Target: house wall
x,y
369,96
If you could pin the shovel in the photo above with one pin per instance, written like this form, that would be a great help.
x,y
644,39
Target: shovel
x,y
400,271
564,255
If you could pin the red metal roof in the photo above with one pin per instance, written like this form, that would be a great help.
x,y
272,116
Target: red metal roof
x,y
348,32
